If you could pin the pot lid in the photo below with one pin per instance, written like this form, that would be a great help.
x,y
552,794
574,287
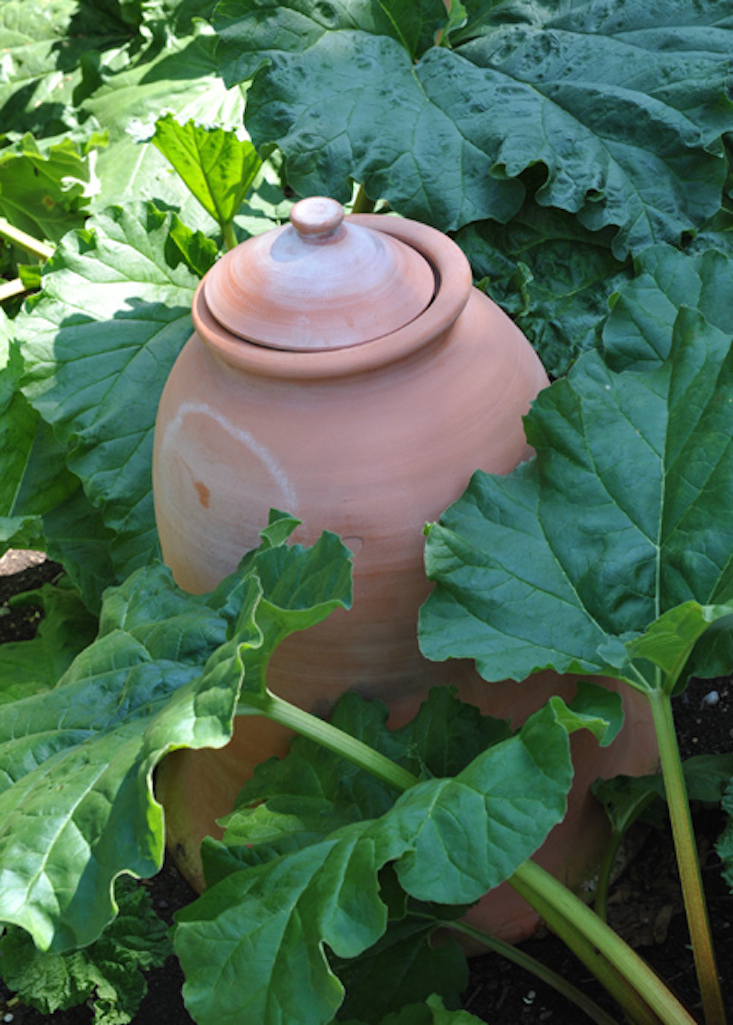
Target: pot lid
x,y
320,282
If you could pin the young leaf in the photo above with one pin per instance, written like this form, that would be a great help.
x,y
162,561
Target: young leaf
x,y
626,798
626,512
98,345
625,117
217,166
669,640
432,1012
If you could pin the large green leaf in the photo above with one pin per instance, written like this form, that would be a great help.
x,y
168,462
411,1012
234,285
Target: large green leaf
x,y
76,763
639,331
45,47
449,840
551,275
74,534
33,476
296,26
625,513
624,115
98,345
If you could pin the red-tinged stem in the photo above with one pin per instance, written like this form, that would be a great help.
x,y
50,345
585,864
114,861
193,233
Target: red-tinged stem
x,y
687,860
630,981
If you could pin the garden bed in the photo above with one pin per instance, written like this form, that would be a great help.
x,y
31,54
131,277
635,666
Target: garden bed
x,y
645,905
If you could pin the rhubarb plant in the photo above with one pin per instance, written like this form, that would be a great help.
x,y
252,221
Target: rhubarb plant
x,y
580,155
621,530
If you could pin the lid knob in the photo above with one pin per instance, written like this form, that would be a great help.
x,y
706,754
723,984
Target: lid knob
x,y
317,218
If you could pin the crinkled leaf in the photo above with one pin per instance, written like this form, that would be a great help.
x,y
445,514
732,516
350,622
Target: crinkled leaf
x,y
98,345
108,971
76,763
217,166
76,807
626,512
450,840
639,331
27,667
625,117
551,275
45,190
296,26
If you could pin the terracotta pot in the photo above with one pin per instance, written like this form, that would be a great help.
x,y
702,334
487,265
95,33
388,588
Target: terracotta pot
x,y
361,401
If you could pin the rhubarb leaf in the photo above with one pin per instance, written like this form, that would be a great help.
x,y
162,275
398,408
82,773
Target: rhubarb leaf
x,y
66,628
623,116
217,166
551,275
76,763
625,513
107,973
98,345
639,331
448,840
45,189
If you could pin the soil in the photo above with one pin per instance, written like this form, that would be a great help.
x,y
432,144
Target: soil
x,y
645,905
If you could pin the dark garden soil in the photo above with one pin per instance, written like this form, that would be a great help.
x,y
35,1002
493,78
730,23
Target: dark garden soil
x,y
645,905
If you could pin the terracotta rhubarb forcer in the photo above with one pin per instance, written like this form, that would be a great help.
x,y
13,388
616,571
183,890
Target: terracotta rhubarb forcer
x,y
345,370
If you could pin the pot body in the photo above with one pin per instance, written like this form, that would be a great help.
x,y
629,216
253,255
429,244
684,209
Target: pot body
x,y
369,442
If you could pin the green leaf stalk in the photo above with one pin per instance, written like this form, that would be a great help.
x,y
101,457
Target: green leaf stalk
x,y
637,989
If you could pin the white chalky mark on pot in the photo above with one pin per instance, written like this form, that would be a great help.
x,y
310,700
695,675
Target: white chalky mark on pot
x,y
256,447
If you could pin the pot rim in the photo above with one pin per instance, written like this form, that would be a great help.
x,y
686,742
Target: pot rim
x,y
453,287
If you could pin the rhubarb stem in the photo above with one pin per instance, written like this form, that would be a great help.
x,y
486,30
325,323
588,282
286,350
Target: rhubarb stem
x,y
328,736
540,971
687,859
638,990
25,241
